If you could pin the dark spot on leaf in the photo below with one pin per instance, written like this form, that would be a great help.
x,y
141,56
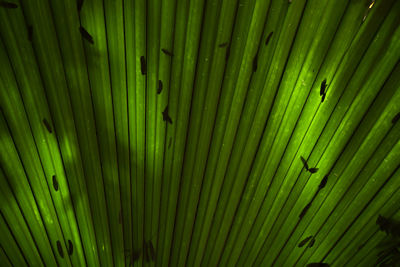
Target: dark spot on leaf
x,y
311,243
47,124
160,87
255,63
59,248
86,35
323,87
304,162
70,247
228,51
165,115
167,52
323,182
396,118
268,38
143,67
304,211
55,183
323,98
304,241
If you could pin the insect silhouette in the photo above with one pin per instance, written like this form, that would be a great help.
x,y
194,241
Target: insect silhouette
x,y
228,52
323,98
8,4
322,90
160,87
396,118
165,115
304,241
169,142
47,124
55,183
143,67
255,63
167,52
304,162
70,247
80,3
59,248
268,38
323,87
223,44
311,170
311,243
86,35
323,182
304,211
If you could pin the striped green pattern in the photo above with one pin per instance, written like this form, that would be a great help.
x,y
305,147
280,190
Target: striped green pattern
x,y
222,183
